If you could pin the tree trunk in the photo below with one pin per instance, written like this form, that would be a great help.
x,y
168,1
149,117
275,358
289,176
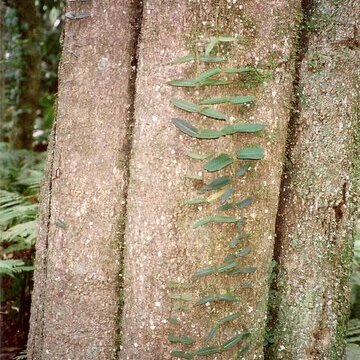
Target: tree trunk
x,y
2,70
76,295
314,229
79,309
22,136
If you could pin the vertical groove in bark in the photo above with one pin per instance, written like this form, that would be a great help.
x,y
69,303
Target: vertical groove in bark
x,y
314,223
2,70
137,14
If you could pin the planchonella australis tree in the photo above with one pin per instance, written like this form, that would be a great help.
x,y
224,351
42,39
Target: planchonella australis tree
x,y
169,226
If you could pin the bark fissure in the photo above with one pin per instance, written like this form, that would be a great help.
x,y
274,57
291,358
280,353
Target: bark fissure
x,y
301,48
126,151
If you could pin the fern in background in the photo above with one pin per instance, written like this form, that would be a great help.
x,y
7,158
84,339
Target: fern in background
x,y
20,176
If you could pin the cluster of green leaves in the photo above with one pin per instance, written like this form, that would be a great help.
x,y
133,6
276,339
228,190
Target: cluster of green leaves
x,y
20,175
219,189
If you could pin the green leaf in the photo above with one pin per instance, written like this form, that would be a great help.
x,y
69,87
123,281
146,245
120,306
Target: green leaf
x,y
196,201
227,266
209,47
209,134
205,272
185,127
228,318
182,83
225,207
209,350
181,339
185,105
183,297
244,203
216,219
218,163
194,177
181,354
220,297
243,169
211,59
207,74
242,128
212,113
256,153
198,156
217,183
235,100
240,70
213,82
173,320
232,342
226,38
244,251
227,194
212,333
245,270
183,59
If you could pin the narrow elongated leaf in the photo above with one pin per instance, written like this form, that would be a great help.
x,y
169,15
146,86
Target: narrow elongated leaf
x,y
211,59
225,207
205,272
227,266
182,354
227,297
218,163
242,171
196,201
194,177
217,183
218,194
235,100
212,113
185,127
212,333
240,70
228,318
209,47
205,299
209,350
227,195
198,156
244,251
220,297
182,82
173,321
209,134
214,82
242,128
185,105
183,59
226,38
256,153
244,203
216,219
232,342
181,339
207,74
183,297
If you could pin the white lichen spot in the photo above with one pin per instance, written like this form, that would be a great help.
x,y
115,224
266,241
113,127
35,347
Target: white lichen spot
x,y
103,63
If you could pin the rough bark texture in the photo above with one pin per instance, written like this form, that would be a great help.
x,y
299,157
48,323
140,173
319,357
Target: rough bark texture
x,y
74,308
2,70
314,237
161,245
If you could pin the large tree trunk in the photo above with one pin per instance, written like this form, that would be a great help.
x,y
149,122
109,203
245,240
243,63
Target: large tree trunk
x,y
314,230
2,70
161,245
76,295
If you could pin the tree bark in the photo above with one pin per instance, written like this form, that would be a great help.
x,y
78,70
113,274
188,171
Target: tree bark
x,y
2,71
314,228
161,245
76,295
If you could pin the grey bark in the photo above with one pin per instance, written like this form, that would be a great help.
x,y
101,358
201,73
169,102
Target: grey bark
x,y
76,295
314,244
2,70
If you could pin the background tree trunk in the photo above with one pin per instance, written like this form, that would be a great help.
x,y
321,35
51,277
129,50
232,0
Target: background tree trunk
x,y
2,70
314,229
76,295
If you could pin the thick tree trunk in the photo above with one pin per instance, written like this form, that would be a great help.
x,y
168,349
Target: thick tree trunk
x,y
76,295
161,246
2,70
314,239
